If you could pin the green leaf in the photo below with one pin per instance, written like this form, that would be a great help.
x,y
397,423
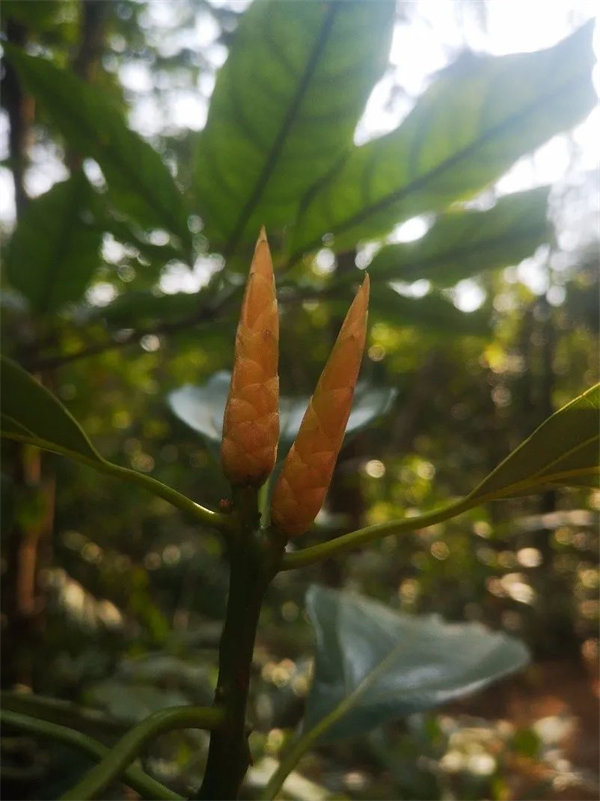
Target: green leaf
x,y
284,109
54,252
139,182
562,452
202,409
433,313
31,414
474,121
464,243
374,665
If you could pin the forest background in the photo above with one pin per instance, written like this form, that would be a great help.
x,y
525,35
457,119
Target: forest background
x,y
121,288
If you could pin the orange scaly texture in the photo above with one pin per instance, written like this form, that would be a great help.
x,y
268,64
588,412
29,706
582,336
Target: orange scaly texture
x,y
251,421
308,467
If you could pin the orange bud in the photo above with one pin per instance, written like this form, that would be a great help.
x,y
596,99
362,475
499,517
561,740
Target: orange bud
x,y
251,421
308,467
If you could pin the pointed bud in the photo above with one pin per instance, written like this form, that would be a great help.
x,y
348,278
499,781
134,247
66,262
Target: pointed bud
x,y
251,421
308,467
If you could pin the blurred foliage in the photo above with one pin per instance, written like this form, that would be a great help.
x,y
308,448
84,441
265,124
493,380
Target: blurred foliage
x,y
114,600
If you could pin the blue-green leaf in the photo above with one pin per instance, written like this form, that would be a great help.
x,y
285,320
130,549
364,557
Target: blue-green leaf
x,y
202,408
375,665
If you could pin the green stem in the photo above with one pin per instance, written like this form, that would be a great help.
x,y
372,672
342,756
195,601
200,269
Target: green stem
x,y
130,745
145,785
201,513
360,537
309,738
254,560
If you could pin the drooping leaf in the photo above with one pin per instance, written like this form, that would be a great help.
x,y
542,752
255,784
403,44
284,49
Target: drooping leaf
x,y
375,665
284,109
563,451
477,118
464,243
431,313
139,182
32,414
54,252
202,408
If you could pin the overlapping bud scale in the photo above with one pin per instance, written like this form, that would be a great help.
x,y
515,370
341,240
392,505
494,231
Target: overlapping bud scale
x,y
251,421
308,467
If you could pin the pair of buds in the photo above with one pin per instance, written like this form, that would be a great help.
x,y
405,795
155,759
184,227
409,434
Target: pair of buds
x,y
251,422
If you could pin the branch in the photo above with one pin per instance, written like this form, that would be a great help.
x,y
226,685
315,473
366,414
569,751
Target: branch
x,y
129,746
356,539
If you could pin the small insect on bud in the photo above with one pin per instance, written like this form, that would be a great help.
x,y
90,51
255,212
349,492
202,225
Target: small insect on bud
x,y
251,421
306,474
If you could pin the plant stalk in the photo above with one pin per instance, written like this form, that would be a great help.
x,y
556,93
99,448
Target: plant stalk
x,y
254,560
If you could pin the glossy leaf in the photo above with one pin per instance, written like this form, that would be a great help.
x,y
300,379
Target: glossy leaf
x,y
563,451
202,408
139,182
284,109
374,665
463,243
54,252
477,118
432,313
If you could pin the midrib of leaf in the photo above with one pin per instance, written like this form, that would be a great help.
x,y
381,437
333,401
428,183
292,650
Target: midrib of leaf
x,y
458,253
275,150
421,181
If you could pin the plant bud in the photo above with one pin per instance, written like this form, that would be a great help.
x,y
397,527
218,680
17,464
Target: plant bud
x,y
308,467
251,421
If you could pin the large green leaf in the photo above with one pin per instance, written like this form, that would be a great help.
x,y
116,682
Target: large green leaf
x,y
139,182
284,109
474,121
31,414
563,451
54,252
202,408
374,665
463,243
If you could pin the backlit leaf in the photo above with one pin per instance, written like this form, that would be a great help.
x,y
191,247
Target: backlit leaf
x,y
463,243
139,182
478,117
284,109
